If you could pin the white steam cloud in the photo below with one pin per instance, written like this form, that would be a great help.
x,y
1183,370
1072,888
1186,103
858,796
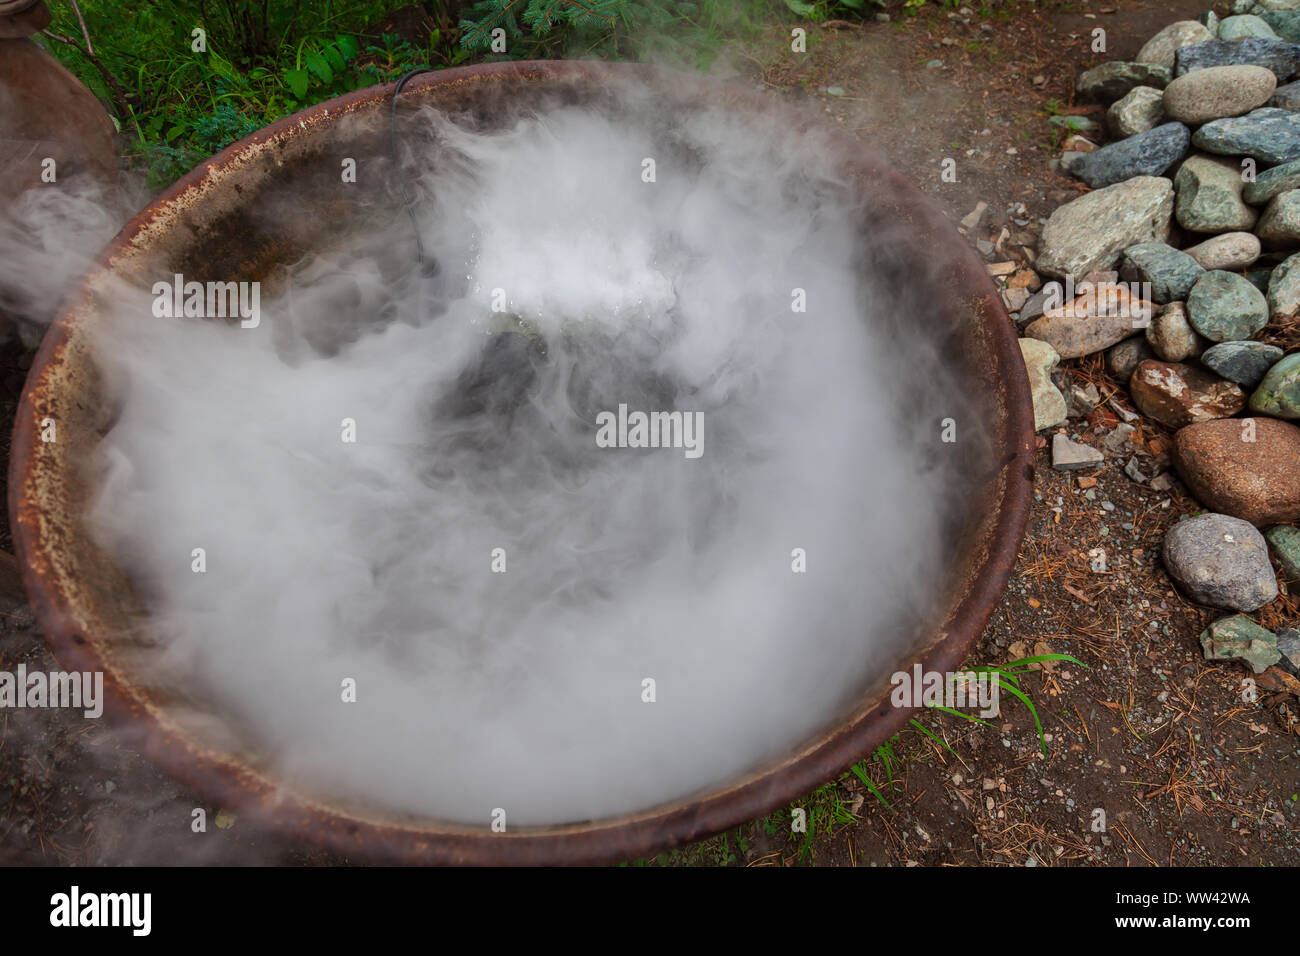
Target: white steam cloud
x,y
475,430
49,236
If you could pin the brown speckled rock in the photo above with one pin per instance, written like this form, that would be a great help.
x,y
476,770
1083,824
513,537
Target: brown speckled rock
x,y
1257,481
1105,314
1179,395
1218,91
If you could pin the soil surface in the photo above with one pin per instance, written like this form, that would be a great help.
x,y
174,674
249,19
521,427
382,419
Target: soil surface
x,y
1153,756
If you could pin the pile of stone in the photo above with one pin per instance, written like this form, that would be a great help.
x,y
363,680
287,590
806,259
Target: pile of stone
x,y
1184,255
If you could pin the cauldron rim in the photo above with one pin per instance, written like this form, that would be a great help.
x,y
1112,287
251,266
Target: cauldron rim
x,y
245,791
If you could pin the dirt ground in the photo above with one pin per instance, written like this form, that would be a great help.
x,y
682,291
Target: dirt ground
x,y
1185,771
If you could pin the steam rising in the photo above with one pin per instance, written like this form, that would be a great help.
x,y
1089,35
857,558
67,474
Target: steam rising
x,y
49,235
475,430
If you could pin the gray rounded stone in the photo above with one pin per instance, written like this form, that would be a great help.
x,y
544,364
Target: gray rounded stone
x,y
1089,233
1280,222
1288,638
1220,561
1170,335
1244,25
1271,182
1286,97
1225,307
1284,291
1277,55
1170,273
1278,393
1209,196
1285,23
1160,49
1242,362
1146,154
1138,110
1270,136
1218,92
1232,250
1123,358
1109,81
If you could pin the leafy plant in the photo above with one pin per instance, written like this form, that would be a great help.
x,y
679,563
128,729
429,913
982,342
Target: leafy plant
x,y
533,28
323,66
225,125
182,100
479,26
859,770
821,10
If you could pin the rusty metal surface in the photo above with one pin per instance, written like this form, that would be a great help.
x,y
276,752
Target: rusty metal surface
x,y
22,18
45,111
85,606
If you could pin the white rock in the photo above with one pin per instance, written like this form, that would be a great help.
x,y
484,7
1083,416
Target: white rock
x,y
1049,404
1070,455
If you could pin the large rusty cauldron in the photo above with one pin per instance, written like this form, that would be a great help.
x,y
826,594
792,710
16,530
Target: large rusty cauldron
x,y
21,18
204,227
45,112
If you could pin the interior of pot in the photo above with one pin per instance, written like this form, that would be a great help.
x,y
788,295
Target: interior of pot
x,y
263,203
